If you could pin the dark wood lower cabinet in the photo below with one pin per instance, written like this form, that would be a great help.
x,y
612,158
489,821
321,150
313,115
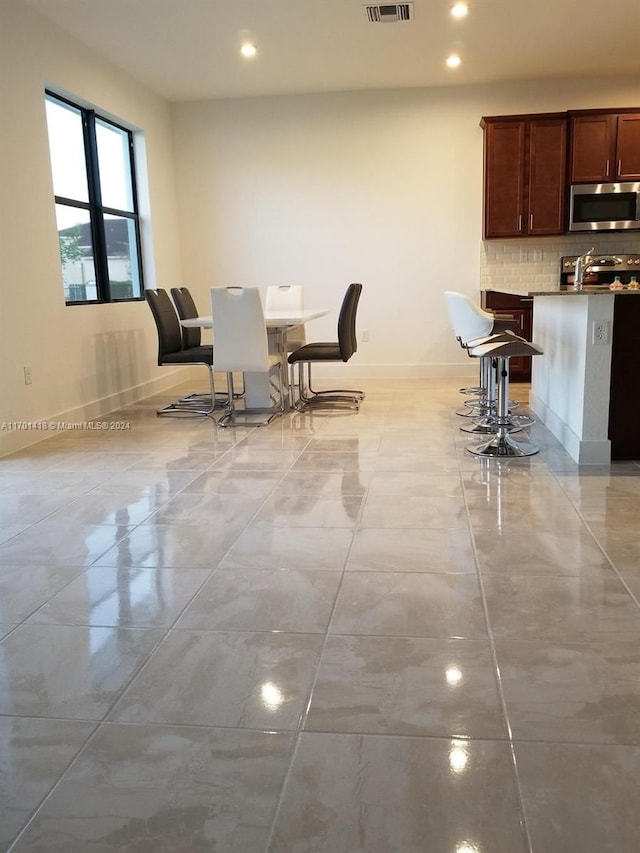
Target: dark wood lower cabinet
x,y
521,308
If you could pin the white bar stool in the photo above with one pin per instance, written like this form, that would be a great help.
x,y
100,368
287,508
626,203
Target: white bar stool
x,y
502,444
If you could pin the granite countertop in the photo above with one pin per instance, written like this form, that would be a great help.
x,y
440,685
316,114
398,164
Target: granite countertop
x,y
586,291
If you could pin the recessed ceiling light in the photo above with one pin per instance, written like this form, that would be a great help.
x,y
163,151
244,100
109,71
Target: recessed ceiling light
x,y
453,61
459,10
248,50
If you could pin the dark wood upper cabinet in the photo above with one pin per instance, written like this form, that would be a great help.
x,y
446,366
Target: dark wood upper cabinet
x,y
628,147
605,147
524,175
503,177
547,175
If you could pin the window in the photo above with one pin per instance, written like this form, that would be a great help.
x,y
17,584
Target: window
x,y
96,208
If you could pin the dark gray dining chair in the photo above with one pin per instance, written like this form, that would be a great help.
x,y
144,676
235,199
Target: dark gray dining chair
x,y
341,350
186,308
171,352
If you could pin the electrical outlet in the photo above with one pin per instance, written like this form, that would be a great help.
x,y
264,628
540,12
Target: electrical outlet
x,y
364,336
537,255
600,332
524,256
27,374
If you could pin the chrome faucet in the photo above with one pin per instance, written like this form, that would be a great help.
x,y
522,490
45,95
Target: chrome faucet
x,y
583,263
587,261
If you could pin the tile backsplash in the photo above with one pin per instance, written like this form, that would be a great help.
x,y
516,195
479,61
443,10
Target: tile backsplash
x,y
534,264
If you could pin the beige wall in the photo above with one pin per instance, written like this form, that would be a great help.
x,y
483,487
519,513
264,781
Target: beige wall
x,y
83,358
380,187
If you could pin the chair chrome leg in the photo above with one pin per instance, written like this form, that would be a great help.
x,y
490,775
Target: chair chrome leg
x,y
347,392
192,405
327,400
202,398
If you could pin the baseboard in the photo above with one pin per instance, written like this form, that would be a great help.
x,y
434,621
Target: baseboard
x,y
392,371
582,451
13,438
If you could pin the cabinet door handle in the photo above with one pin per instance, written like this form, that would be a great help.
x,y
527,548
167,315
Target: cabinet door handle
x,y
531,222
619,167
607,170
520,223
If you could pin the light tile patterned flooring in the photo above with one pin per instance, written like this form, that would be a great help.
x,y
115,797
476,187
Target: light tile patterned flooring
x,y
338,634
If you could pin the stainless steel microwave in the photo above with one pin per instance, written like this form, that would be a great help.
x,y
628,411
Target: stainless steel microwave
x,y
604,207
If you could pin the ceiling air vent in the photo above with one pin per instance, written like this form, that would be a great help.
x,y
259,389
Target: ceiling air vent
x,y
389,14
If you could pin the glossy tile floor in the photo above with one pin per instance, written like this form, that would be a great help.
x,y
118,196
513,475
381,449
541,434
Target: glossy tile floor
x,y
338,634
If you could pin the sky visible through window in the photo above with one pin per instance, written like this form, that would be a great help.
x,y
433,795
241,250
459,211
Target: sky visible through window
x,y
66,145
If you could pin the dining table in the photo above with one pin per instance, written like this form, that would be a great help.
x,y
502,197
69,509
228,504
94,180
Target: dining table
x,y
259,391
273,320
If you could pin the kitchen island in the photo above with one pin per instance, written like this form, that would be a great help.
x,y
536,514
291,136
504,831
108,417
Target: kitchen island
x,y
586,387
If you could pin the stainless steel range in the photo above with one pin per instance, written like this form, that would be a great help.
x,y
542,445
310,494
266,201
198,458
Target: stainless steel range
x,y
599,270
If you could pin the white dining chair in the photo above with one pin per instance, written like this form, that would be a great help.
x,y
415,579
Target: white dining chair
x,y
241,345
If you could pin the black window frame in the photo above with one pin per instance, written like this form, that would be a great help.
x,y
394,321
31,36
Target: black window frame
x,y
96,209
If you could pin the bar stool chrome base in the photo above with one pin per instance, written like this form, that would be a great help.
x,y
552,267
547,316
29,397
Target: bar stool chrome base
x,y
489,426
502,445
479,409
485,405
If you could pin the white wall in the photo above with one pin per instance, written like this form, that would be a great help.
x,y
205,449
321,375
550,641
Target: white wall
x,y
379,187
84,359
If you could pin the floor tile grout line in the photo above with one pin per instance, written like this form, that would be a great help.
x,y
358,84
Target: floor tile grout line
x,y
166,634
138,670
524,824
168,630
36,809
81,571
124,536
260,507
179,492
435,736
635,598
326,633
305,712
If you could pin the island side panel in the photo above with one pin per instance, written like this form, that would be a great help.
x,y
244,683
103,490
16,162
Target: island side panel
x,y
570,382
